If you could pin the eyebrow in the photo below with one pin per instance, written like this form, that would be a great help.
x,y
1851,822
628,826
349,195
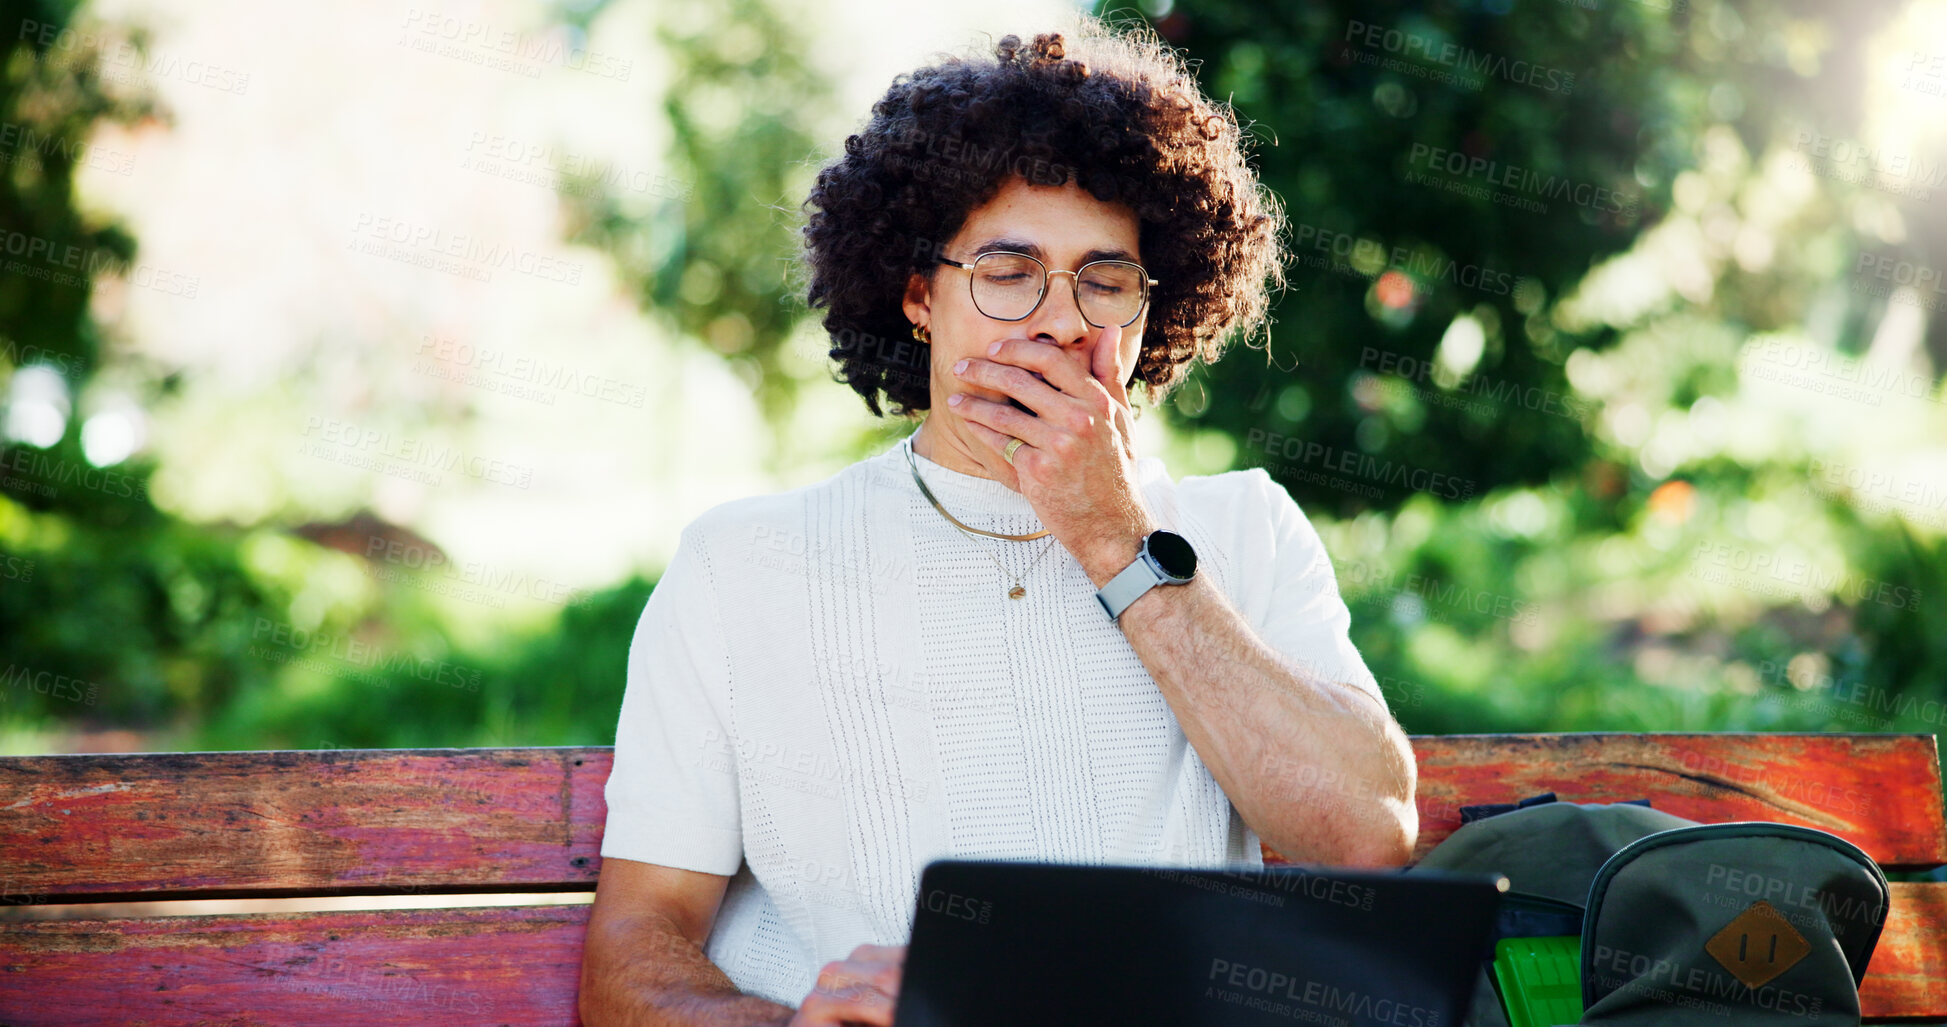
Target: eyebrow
x,y
1035,251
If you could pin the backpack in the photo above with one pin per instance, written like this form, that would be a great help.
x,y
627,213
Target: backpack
x,y
1678,922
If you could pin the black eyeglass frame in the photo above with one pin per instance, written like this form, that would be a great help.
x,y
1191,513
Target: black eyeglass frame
x,y
1047,274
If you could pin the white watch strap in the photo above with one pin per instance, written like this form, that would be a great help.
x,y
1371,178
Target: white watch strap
x,y
1128,586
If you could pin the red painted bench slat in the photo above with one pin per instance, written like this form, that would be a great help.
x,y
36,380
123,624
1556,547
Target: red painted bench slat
x,y
515,965
265,823
202,825
1880,792
1908,975
88,828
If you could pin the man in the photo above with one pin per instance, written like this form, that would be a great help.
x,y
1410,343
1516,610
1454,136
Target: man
x,y
1006,637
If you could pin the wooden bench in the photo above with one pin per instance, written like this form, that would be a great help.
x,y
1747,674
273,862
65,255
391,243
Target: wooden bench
x,y
79,829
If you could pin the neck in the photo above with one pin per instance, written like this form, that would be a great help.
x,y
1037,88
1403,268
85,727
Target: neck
x,y
942,447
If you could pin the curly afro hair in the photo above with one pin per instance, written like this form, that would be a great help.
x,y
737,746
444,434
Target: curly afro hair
x,y
1116,112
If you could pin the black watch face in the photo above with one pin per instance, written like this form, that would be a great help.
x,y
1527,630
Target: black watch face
x,y
1172,552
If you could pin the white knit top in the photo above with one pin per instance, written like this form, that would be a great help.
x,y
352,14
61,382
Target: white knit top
x,y
829,687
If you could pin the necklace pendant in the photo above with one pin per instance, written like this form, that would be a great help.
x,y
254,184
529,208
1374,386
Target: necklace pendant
x,y
1016,592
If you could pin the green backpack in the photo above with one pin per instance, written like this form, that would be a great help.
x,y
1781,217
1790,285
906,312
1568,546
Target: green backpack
x,y
1625,916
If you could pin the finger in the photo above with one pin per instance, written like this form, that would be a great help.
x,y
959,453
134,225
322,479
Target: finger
x,y
1009,380
1125,430
851,996
866,984
890,953
826,1010
996,445
1106,358
839,976
875,974
1002,420
1106,363
1058,371
870,985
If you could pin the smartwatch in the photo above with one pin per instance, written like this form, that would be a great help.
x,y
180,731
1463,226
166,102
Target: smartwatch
x,y
1166,559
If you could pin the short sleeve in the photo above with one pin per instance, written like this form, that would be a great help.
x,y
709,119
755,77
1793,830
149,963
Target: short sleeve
x,y
672,795
1307,620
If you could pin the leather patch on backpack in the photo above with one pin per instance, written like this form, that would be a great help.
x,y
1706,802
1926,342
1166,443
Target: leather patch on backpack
x,y
1759,945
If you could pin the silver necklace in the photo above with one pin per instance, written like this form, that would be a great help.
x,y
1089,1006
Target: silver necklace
x,y
1019,590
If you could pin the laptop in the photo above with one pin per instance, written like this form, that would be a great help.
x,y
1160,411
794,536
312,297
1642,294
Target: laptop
x,y
1031,944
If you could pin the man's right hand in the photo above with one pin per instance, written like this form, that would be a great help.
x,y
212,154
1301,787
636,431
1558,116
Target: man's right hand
x,y
860,989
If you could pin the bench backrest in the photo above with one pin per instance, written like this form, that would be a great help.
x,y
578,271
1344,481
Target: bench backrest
x,y
395,822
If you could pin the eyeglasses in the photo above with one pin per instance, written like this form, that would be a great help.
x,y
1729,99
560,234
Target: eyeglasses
x,y
1009,286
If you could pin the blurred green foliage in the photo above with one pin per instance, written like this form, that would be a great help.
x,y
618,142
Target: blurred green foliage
x,y
1584,578
1614,100
117,617
1666,632
715,264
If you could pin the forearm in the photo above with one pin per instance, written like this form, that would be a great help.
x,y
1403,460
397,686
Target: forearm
x,y
641,972
1317,767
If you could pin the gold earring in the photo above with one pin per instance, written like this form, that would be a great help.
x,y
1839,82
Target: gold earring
x,y
924,337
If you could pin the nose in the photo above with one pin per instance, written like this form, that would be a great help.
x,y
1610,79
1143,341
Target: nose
x,y
1059,318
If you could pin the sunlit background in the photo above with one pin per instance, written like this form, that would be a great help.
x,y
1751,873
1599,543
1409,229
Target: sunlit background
x,y
359,364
